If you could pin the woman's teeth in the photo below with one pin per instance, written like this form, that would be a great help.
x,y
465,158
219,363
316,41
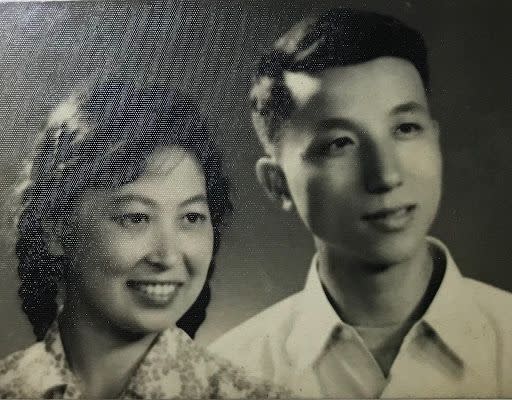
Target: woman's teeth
x,y
159,291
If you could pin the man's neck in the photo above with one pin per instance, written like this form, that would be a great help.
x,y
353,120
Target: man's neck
x,y
101,359
368,295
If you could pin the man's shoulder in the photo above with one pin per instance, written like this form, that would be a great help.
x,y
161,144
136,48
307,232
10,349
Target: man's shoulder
x,y
494,306
271,324
495,303
22,372
259,344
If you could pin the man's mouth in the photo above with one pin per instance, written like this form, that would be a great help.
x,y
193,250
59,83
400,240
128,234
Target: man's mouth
x,y
391,219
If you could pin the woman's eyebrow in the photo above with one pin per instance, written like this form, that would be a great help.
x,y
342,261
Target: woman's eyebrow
x,y
198,198
130,197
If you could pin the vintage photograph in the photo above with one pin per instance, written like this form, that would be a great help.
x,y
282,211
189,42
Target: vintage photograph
x,y
255,199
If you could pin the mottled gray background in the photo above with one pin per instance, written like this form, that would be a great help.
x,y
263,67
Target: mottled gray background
x,y
209,48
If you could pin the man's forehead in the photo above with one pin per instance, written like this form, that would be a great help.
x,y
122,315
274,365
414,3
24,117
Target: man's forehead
x,y
385,74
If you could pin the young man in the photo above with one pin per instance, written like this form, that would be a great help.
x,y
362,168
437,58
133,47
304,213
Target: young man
x,y
340,105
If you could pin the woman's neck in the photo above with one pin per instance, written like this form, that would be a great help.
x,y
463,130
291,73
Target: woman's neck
x,y
367,295
102,358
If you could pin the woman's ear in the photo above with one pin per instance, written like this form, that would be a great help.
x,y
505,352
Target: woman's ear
x,y
272,179
53,232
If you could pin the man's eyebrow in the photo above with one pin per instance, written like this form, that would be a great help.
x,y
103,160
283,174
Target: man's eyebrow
x,y
410,106
198,198
336,123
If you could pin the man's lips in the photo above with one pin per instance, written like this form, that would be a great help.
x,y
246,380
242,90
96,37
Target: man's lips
x,y
389,211
391,219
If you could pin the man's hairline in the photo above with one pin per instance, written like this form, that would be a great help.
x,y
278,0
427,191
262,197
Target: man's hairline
x,y
275,143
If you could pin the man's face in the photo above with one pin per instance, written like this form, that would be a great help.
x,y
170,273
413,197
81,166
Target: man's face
x,y
362,160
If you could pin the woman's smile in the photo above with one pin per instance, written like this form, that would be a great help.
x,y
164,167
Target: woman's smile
x,y
158,293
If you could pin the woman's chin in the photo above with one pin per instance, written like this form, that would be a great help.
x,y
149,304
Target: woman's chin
x,y
142,325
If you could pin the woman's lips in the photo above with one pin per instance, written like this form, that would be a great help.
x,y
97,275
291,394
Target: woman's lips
x,y
157,292
391,219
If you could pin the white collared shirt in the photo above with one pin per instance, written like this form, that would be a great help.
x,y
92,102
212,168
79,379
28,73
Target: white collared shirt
x,y
461,347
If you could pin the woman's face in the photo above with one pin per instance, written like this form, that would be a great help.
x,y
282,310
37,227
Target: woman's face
x,y
139,254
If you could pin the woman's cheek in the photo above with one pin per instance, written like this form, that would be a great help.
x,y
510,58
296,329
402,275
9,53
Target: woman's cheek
x,y
198,248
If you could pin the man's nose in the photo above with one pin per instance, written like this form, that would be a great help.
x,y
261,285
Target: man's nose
x,y
166,252
382,167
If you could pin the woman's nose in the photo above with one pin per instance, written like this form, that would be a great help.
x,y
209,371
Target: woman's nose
x,y
166,253
382,168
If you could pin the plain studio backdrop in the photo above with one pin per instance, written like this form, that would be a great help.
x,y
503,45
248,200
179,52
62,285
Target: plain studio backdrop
x,y
209,48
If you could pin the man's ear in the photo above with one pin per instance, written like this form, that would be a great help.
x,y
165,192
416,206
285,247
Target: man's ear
x,y
272,179
53,232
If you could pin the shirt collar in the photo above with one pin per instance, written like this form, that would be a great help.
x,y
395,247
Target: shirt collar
x,y
452,315
55,378
455,317
52,373
315,323
159,361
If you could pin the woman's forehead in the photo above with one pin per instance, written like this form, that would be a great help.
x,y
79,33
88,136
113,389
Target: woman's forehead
x,y
170,174
164,160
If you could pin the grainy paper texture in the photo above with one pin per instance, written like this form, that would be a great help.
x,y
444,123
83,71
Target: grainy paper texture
x,y
209,49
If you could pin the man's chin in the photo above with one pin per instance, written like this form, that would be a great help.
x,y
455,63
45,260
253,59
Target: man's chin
x,y
383,256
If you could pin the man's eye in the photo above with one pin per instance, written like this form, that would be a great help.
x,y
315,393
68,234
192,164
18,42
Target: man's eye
x,y
132,219
408,129
340,143
194,217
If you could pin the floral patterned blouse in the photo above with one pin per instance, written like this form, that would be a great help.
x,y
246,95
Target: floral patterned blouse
x,y
174,367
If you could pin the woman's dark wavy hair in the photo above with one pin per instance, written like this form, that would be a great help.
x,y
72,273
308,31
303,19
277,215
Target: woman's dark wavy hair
x,y
102,137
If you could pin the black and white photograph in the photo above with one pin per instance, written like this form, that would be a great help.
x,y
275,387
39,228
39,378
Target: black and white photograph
x,y
255,199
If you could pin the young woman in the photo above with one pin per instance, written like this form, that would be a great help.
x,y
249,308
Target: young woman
x,y
121,215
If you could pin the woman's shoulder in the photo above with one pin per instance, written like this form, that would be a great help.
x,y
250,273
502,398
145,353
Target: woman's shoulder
x,y
25,372
224,379
178,367
227,380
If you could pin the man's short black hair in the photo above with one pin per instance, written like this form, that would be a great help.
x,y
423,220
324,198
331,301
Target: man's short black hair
x,y
339,37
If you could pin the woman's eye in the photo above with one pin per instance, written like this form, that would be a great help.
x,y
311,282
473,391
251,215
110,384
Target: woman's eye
x,y
194,217
132,219
340,143
408,129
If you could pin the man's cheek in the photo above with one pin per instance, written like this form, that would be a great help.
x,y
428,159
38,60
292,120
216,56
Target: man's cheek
x,y
322,202
423,163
